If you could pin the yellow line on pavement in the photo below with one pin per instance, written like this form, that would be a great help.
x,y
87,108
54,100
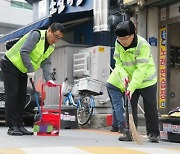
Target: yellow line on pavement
x,y
111,150
102,131
176,149
11,151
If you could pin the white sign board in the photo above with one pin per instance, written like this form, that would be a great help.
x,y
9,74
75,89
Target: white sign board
x,y
60,5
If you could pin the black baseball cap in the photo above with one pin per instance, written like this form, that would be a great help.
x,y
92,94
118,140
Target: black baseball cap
x,y
125,28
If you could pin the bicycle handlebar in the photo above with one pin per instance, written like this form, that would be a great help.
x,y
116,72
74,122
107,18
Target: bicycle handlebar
x,y
66,79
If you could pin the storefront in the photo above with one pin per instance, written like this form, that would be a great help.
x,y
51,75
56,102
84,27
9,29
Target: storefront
x,y
169,58
155,17
158,21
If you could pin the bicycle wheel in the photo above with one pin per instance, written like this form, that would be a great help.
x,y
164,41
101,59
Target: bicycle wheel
x,y
85,110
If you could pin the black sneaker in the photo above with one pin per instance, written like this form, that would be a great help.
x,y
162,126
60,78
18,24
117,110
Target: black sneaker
x,y
25,131
126,136
114,129
122,130
153,138
14,131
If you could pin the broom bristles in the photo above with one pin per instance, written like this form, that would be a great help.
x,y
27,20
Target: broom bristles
x,y
135,135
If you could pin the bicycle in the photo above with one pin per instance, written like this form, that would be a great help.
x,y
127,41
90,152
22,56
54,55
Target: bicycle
x,y
85,104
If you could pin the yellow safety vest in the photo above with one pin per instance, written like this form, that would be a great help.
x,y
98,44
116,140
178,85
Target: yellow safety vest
x,y
37,55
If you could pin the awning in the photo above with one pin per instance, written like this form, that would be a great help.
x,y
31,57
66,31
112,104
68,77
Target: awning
x,y
20,32
64,18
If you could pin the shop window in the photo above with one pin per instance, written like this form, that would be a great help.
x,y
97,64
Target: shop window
x,y
21,5
174,56
177,62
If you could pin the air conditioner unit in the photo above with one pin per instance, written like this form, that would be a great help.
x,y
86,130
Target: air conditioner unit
x,y
99,57
81,65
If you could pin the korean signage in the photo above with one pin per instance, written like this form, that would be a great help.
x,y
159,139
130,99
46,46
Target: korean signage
x,y
58,6
162,69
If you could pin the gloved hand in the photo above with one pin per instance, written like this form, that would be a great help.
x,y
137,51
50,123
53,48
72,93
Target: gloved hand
x,y
51,83
129,94
126,81
31,75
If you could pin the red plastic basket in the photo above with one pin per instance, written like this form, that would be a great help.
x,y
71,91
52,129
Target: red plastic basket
x,y
51,116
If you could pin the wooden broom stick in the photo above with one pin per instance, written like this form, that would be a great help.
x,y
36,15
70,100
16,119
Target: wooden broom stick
x,y
135,135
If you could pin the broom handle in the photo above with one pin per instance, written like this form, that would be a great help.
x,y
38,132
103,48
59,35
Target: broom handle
x,y
126,107
36,97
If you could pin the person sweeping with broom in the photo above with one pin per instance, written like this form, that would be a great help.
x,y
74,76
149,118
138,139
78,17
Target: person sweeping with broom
x,y
135,67
30,53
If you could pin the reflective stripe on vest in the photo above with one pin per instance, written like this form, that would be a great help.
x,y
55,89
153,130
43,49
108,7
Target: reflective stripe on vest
x,y
143,60
136,54
134,63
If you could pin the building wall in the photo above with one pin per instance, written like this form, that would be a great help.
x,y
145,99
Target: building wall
x,y
153,31
13,16
141,23
174,42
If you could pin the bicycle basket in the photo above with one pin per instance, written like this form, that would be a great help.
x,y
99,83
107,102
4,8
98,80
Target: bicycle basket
x,y
74,90
66,88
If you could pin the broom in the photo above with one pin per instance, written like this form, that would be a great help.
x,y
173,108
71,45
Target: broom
x,y
130,121
40,126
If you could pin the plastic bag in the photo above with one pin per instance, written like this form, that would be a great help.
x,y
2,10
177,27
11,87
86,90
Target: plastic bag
x,y
66,88
175,112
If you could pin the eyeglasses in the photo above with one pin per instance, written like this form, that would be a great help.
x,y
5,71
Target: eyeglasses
x,y
56,36
124,38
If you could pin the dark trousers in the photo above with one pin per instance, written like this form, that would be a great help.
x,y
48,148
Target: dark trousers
x,y
150,108
15,84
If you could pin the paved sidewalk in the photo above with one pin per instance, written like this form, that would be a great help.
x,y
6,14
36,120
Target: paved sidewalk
x,y
81,141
